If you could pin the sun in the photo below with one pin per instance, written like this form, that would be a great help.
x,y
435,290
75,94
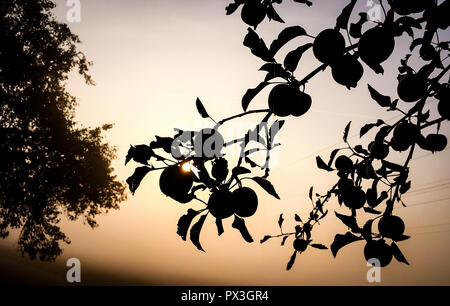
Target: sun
x,y
187,166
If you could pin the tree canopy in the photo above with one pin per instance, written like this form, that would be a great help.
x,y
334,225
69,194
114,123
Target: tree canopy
x,y
50,165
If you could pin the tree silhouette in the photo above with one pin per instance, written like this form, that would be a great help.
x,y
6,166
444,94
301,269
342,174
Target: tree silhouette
x,y
50,166
368,183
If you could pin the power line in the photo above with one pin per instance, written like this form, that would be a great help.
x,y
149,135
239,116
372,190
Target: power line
x,y
433,232
430,225
423,203
331,146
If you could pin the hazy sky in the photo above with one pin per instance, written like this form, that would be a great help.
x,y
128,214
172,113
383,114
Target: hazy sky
x,y
151,60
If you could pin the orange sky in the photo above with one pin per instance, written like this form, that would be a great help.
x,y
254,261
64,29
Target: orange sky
x,y
151,60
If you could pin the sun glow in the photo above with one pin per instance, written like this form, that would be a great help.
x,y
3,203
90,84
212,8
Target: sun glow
x,y
187,166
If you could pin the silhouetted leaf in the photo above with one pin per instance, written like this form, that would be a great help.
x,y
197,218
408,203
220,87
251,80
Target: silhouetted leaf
x,y
280,222
267,237
273,15
366,128
291,261
355,28
297,218
201,109
140,154
332,156
195,232
283,241
359,149
398,254
402,238
285,36
319,246
350,221
393,166
240,170
164,143
219,226
370,210
324,215
310,192
342,20
250,162
232,7
257,46
239,224
405,187
346,130
377,68
321,164
292,58
274,70
367,230
307,2
382,133
251,93
184,222
341,241
135,180
267,186
383,101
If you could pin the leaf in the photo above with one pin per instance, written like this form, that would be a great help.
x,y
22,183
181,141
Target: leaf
x,y
251,94
349,221
398,254
341,241
140,154
332,156
359,149
239,224
184,222
274,70
292,58
310,192
319,246
346,130
201,109
240,170
267,237
370,210
135,180
383,101
267,186
355,28
307,2
297,218
232,7
280,222
405,187
250,162
164,143
285,36
321,164
291,261
366,128
284,240
195,232
273,15
257,46
342,20
219,225
367,230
